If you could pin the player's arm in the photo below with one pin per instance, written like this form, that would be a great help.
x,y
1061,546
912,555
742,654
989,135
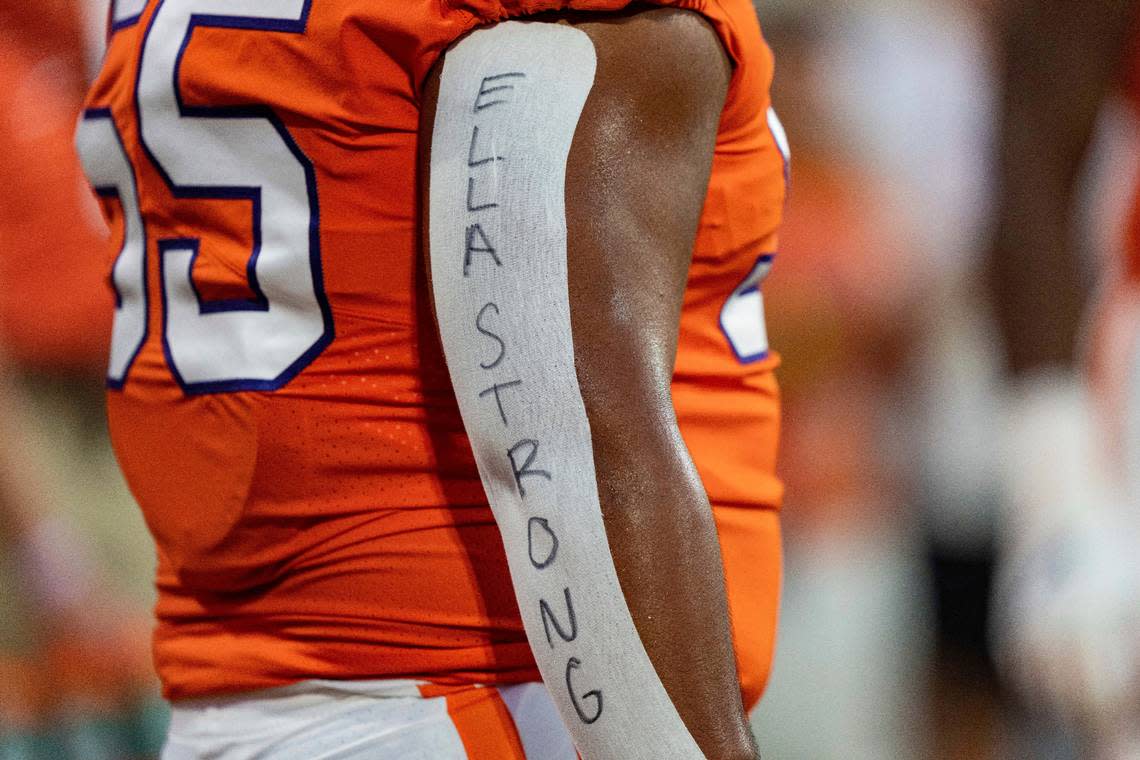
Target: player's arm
x,y
561,341
1061,574
1060,58
24,505
55,569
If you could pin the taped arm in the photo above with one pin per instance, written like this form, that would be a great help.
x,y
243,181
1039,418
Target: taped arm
x,y
569,163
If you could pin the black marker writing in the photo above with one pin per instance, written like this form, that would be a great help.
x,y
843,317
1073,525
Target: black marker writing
x,y
536,528
489,306
499,402
542,541
571,665
525,471
548,620
470,196
484,90
472,162
483,245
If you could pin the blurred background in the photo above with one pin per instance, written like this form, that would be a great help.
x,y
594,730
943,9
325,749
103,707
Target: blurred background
x,y
75,559
894,381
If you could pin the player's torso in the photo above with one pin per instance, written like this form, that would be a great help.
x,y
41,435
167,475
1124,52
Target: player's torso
x,y
266,352
278,400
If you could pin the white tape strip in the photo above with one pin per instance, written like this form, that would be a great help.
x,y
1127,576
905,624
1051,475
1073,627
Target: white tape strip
x,y
541,731
509,103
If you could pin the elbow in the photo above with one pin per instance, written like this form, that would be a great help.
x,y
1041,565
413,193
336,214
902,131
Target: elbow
x,y
643,467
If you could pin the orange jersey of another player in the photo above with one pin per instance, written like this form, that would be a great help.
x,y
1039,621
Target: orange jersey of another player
x,y
54,310
1132,92
278,399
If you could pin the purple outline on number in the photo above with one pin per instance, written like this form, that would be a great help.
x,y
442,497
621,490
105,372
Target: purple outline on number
x,y
117,26
764,258
785,155
252,194
110,191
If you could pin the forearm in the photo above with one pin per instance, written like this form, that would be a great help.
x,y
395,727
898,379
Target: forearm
x,y
1038,299
21,498
1059,60
1037,292
667,555
55,569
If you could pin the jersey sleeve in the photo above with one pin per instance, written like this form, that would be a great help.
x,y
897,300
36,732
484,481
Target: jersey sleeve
x,y
730,18
734,21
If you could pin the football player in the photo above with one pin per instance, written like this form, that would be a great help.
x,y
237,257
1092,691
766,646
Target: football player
x,y
1069,603
439,370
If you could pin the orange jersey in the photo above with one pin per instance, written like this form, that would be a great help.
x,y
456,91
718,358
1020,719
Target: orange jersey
x,y
54,310
278,398
1132,229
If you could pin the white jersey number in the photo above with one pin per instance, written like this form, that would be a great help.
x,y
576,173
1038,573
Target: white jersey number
x,y
742,316
238,153
109,170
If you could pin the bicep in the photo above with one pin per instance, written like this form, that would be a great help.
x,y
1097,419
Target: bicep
x,y
636,183
636,177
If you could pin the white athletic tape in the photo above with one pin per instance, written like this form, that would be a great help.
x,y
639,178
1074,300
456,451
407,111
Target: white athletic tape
x,y
509,103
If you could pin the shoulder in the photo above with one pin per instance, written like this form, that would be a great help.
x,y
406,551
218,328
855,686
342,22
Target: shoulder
x,y
654,65
658,59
